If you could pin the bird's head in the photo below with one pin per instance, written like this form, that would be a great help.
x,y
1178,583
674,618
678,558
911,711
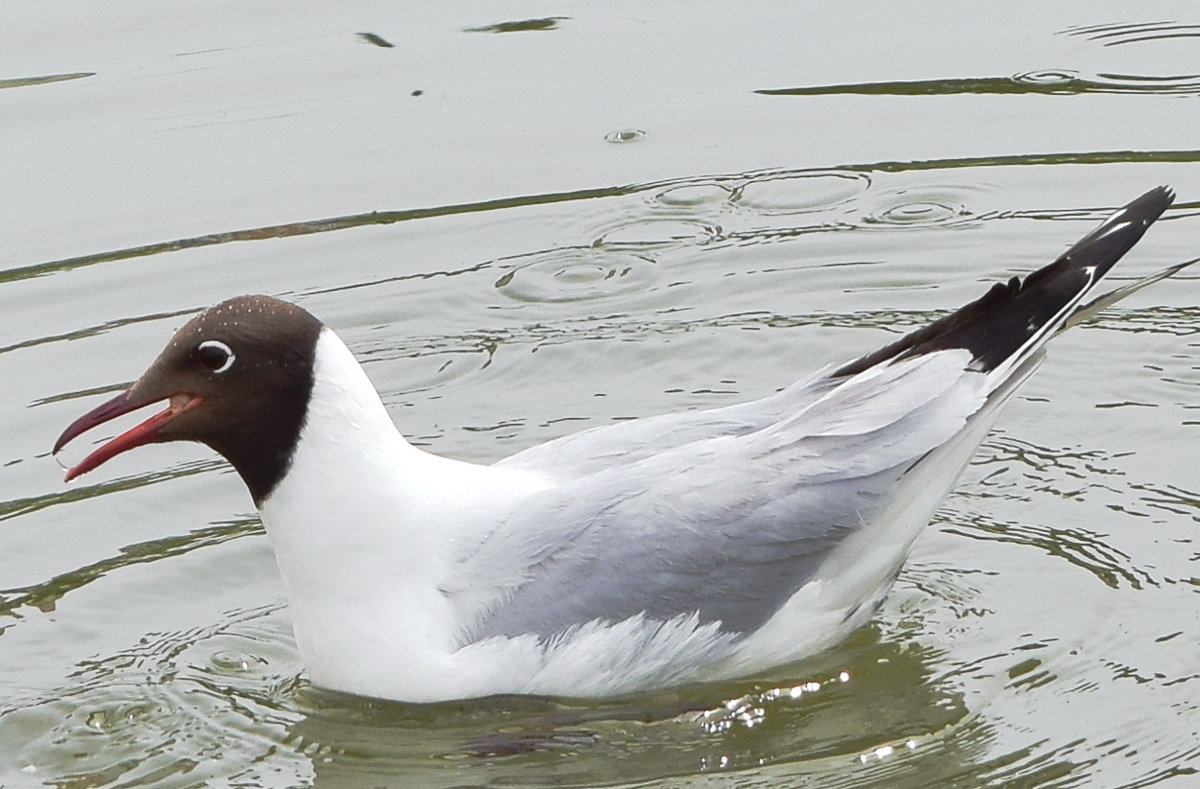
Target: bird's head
x,y
237,377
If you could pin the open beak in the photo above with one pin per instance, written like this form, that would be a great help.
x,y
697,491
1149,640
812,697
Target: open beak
x,y
124,403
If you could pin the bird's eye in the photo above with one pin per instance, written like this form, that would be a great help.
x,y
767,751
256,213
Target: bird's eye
x,y
213,356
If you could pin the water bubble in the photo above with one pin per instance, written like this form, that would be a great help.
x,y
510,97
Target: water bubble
x,y
98,720
231,661
624,135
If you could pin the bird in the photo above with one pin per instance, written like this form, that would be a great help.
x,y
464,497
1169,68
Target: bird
x,y
674,549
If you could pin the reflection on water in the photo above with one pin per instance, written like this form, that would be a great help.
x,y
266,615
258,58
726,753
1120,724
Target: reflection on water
x,y
45,595
805,725
26,81
222,703
1040,81
837,197
376,40
519,26
1046,81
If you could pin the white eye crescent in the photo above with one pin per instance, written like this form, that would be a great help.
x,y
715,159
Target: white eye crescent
x,y
213,356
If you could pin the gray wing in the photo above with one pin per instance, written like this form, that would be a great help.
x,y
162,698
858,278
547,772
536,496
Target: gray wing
x,y
590,451
724,514
726,528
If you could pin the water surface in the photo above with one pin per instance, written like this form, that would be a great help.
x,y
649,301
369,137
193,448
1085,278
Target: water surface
x,y
530,220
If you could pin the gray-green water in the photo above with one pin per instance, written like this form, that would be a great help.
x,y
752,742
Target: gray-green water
x,y
529,218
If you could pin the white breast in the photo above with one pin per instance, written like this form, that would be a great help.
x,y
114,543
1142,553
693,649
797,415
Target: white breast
x,y
364,527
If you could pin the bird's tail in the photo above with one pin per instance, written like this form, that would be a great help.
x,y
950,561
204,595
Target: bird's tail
x,y
1085,311
1009,323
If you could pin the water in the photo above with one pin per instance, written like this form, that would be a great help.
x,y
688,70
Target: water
x,y
527,221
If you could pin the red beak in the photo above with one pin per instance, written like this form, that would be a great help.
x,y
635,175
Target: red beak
x,y
145,433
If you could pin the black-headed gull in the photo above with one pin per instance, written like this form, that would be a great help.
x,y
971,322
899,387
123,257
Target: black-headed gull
x,y
679,548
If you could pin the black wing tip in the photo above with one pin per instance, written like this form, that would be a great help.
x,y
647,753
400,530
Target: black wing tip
x,y
1115,236
1139,212
1150,206
1001,322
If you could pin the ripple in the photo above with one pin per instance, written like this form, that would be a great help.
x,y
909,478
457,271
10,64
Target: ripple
x,y
1072,82
798,194
693,195
919,213
576,274
1150,38
658,232
1047,78
1121,34
1052,472
157,713
920,207
1185,84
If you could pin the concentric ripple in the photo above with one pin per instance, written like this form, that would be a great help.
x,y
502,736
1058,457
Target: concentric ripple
x,y
919,207
576,274
1121,34
1047,78
160,713
801,193
694,195
646,233
1068,81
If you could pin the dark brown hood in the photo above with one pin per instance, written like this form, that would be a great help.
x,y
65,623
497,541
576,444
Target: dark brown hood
x,y
237,377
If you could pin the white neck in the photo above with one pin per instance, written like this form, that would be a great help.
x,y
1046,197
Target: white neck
x,y
365,527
